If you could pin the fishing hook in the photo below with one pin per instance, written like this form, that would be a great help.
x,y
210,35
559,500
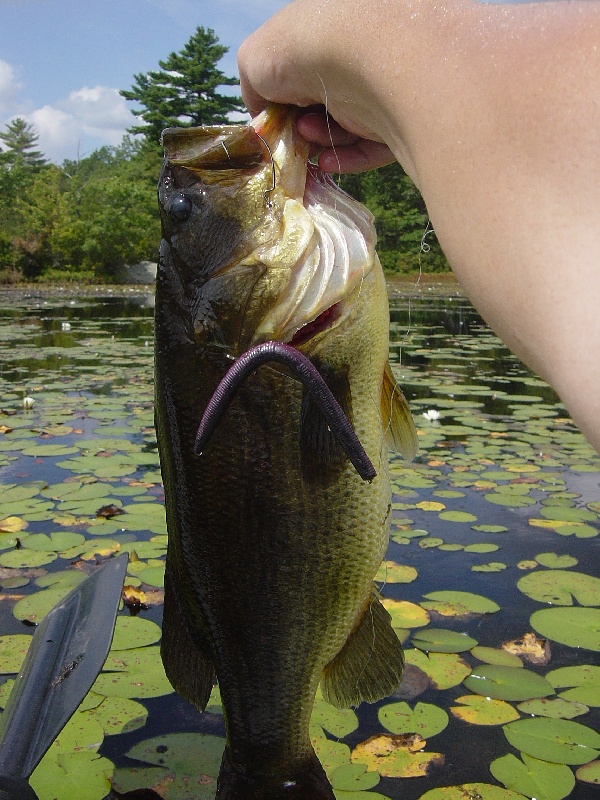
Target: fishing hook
x,y
312,381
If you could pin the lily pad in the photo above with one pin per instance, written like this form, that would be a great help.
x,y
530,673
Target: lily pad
x,y
457,603
533,778
392,572
396,756
507,683
555,561
13,649
81,775
405,614
575,627
439,640
443,669
484,710
353,778
471,791
457,516
557,708
584,680
589,773
558,740
560,587
493,655
427,720
133,632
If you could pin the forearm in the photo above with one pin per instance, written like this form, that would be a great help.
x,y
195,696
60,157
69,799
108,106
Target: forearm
x,y
493,109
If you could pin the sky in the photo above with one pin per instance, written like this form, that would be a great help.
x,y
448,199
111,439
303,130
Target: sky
x,y
62,62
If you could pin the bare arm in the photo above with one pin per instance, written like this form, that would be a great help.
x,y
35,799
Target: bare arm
x,y
494,111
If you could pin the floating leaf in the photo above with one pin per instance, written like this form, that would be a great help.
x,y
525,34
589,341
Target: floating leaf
x,y
405,614
439,640
338,721
493,566
427,720
490,528
559,587
444,669
558,740
457,603
391,572
12,525
18,559
589,773
534,778
483,710
557,708
492,655
457,516
353,778
507,683
82,775
13,649
118,714
585,680
575,627
481,547
133,632
396,756
554,561
471,791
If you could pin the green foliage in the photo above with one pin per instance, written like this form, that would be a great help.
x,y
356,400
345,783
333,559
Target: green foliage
x,y
184,91
404,243
81,221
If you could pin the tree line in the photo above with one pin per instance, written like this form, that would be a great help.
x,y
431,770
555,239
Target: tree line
x,y
85,219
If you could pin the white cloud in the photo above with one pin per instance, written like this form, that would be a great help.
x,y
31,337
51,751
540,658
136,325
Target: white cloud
x,y
88,118
9,86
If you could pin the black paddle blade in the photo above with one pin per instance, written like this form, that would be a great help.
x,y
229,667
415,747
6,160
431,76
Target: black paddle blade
x,y
66,654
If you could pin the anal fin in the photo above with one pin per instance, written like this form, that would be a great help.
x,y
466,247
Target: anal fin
x,y
369,666
397,420
189,671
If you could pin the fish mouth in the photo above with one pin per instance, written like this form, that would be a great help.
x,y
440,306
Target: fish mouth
x,y
327,238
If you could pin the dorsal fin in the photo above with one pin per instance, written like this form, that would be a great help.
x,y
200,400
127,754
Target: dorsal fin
x,y
398,424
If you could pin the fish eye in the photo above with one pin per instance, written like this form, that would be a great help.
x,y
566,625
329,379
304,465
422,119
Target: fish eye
x,y
180,207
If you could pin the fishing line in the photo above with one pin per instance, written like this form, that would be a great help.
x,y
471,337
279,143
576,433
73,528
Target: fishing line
x,y
267,200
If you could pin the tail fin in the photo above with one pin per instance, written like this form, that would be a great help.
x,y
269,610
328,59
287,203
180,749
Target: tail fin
x,y
306,781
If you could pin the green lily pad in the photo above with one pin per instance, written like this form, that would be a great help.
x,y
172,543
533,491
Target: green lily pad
x,y
557,708
483,710
490,528
533,778
568,514
457,603
493,566
471,791
507,683
584,680
82,775
136,673
481,547
118,714
589,773
457,516
445,670
338,721
353,778
13,649
19,559
554,561
427,720
134,632
559,587
493,655
439,640
575,627
558,740
184,765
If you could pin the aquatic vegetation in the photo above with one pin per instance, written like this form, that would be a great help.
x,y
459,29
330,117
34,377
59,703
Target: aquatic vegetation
x,y
521,487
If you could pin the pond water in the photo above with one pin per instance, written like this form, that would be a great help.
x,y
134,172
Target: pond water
x,y
494,536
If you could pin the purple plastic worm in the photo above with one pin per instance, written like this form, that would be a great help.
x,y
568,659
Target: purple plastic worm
x,y
312,381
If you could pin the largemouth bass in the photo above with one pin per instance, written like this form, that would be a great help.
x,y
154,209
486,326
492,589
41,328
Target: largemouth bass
x,y
274,538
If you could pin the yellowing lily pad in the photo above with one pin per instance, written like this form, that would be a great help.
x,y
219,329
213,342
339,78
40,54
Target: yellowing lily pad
x,y
391,572
534,778
12,525
396,756
484,710
443,669
471,791
457,603
405,614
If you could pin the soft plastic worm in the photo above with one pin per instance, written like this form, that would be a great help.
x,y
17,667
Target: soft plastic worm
x,y
312,381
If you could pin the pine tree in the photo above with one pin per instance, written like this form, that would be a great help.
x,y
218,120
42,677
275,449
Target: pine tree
x,y
184,91
19,140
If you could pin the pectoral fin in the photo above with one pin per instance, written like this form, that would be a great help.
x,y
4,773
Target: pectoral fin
x,y
188,669
370,664
398,423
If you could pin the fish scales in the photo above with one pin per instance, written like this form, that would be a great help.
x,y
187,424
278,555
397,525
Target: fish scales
x,y
274,538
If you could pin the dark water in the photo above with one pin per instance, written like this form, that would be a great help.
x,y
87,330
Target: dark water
x,y
89,361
